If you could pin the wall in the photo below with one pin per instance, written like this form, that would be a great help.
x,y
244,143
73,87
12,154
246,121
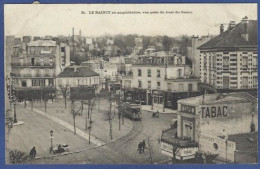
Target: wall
x,y
237,119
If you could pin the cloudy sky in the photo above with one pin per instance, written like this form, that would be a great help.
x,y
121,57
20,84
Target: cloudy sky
x,y
201,19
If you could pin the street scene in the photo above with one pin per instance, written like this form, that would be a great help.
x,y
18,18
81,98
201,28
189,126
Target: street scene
x,y
92,90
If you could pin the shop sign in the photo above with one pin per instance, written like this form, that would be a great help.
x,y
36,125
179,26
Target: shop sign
x,y
187,153
188,109
214,111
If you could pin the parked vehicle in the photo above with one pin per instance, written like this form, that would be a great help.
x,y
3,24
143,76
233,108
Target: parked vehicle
x,y
132,110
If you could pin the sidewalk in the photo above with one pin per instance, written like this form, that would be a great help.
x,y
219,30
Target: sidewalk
x,y
149,107
100,126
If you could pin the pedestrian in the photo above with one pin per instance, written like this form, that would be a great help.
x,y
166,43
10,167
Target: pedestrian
x,y
143,145
140,147
33,153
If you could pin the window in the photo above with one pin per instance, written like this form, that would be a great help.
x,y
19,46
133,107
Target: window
x,y
139,84
158,73
225,62
38,82
32,61
179,61
245,82
245,62
51,82
179,73
139,72
149,74
255,81
169,86
24,84
189,87
51,61
254,61
149,84
181,87
32,51
158,85
62,49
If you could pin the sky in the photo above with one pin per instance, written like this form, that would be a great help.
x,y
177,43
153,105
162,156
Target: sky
x,y
59,19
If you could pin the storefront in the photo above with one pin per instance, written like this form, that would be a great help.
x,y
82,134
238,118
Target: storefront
x,y
210,120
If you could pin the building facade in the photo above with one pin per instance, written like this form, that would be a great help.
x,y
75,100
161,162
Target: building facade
x,y
229,61
159,79
195,53
212,122
35,64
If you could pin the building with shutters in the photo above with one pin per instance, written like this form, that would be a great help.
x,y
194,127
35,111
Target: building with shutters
x,y
35,64
229,61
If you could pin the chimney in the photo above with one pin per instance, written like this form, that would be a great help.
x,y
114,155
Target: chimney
x,y
231,25
244,23
221,28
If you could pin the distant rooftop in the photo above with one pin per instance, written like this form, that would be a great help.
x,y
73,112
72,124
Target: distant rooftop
x,y
74,71
42,42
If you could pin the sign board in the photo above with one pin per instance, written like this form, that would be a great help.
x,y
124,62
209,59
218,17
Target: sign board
x,y
214,111
186,153
188,109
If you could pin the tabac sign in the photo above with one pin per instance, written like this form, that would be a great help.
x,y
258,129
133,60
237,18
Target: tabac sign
x,y
214,111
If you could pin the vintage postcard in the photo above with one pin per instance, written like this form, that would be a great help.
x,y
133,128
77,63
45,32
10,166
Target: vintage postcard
x,y
131,83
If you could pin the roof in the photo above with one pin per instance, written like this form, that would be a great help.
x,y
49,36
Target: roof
x,y
42,42
233,37
80,72
219,99
246,146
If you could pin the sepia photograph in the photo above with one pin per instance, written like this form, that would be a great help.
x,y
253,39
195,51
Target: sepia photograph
x,y
131,83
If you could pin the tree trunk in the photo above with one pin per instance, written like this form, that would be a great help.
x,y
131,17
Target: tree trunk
x,y
65,101
45,105
110,120
32,105
82,106
25,103
89,132
88,107
73,115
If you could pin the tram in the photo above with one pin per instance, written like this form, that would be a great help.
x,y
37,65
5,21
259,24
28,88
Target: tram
x,y
132,110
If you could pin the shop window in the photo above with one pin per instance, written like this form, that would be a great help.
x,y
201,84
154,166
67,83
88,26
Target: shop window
x,y
62,49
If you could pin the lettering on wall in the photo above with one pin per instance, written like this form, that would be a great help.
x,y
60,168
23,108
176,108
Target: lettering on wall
x,y
214,111
188,109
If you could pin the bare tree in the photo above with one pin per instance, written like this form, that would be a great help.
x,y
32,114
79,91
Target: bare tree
x,y
150,148
65,93
91,105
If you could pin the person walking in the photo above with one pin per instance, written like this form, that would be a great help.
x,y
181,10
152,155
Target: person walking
x,y
140,147
33,153
143,145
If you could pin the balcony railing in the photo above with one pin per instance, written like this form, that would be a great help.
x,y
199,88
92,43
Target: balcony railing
x,y
29,64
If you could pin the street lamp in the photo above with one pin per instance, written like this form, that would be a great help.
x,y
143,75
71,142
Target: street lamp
x,y
51,136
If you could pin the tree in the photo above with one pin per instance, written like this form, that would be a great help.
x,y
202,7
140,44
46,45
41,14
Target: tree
x,y
150,148
65,93
167,43
17,157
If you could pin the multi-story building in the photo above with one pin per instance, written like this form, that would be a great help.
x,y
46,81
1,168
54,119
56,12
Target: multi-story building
x,y
195,53
107,71
160,79
78,76
35,64
229,61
